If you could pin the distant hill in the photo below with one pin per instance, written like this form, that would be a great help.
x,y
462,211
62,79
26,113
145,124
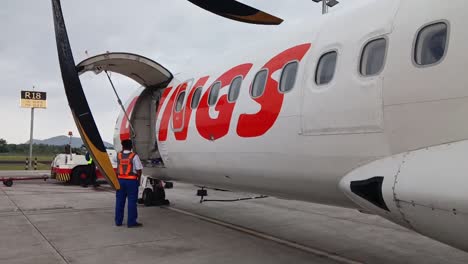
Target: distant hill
x,y
76,142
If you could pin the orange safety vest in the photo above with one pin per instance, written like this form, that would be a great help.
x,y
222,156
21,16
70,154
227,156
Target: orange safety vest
x,y
125,166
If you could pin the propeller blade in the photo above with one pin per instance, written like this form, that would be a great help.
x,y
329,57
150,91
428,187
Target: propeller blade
x,y
237,11
77,100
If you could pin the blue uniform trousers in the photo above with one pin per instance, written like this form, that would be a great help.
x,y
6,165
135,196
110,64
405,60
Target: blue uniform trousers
x,y
128,188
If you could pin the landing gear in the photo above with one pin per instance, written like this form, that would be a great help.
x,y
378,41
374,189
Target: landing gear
x,y
152,192
147,198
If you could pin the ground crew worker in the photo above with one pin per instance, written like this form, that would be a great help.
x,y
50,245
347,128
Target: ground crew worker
x,y
91,177
129,169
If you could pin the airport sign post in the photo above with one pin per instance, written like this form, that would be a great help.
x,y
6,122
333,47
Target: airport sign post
x,y
32,99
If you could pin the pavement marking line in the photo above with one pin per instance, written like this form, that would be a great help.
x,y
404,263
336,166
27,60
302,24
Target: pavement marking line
x,y
314,251
121,245
66,210
8,214
37,229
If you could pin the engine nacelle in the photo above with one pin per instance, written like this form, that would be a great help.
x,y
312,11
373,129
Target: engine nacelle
x,y
423,190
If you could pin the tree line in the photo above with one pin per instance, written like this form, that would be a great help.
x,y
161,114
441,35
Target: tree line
x,y
38,149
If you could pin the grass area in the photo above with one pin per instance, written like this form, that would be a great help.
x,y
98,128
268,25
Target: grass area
x,y
40,166
22,158
17,157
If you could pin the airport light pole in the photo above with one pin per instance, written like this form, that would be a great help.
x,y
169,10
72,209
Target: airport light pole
x,y
324,7
326,4
31,139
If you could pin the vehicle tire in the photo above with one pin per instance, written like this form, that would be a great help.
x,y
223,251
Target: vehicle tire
x,y
78,176
147,197
8,183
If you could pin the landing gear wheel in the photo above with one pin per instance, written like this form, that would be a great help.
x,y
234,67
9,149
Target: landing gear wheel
x,y
160,196
147,197
8,183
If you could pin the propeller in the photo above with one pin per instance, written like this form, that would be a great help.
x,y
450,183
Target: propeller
x,y
237,11
77,100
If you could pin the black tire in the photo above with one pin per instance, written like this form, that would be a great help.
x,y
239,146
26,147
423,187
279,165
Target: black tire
x,y
159,194
8,183
76,176
147,197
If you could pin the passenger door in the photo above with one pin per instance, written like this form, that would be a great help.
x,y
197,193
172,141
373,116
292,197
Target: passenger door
x,y
348,97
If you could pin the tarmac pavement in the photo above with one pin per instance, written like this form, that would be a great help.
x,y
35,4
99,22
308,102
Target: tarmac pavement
x,y
23,173
48,222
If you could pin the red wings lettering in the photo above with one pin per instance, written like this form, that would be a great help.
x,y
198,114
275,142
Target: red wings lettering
x,y
255,125
163,126
186,113
213,128
213,122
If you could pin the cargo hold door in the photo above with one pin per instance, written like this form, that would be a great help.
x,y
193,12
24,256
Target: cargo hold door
x,y
144,71
152,77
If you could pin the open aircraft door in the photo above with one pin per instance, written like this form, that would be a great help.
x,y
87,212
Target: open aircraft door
x,y
144,71
140,112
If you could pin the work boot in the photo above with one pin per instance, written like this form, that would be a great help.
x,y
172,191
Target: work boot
x,y
136,225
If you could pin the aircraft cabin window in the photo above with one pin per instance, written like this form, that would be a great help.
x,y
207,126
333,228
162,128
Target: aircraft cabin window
x,y
213,98
326,68
259,83
288,76
234,89
196,98
373,57
431,44
180,101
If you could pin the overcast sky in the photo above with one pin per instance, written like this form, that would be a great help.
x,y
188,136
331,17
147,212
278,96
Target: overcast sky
x,y
174,33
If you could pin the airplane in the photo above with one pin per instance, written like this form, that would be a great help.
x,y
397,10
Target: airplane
x,y
366,108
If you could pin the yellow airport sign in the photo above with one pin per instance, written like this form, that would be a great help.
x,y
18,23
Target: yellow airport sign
x,y
33,99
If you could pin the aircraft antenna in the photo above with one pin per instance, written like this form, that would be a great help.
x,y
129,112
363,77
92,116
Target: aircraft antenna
x,y
326,4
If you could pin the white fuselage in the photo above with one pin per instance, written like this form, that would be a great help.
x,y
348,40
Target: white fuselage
x,y
322,133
